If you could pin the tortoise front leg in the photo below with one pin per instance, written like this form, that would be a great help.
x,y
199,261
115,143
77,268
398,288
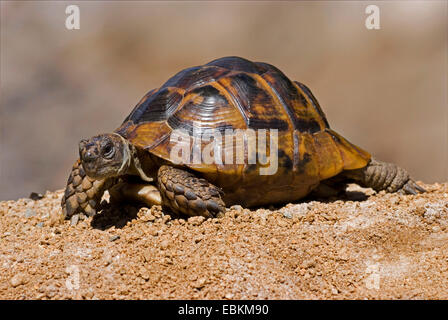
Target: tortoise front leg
x,y
83,194
380,175
184,193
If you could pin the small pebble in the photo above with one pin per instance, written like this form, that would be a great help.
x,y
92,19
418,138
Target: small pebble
x,y
287,214
74,220
35,196
229,295
40,224
310,263
197,239
200,283
114,237
166,218
30,213
196,221
164,245
17,280
145,275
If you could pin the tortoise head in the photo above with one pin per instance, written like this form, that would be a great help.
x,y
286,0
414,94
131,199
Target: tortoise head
x,y
105,155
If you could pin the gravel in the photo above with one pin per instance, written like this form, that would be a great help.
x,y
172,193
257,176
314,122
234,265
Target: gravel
x,y
382,246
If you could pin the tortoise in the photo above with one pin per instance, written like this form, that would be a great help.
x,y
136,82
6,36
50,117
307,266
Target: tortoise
x,y
235,95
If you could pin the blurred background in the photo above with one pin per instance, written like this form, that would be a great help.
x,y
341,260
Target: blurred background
x,y
385,90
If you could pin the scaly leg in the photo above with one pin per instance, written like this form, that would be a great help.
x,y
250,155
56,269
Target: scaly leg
x,y
184,193
83,194
380,175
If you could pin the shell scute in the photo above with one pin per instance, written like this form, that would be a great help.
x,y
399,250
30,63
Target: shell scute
x,y
158,107
260,107
206,107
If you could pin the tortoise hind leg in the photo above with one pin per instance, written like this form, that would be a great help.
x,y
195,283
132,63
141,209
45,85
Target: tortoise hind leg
x,y
380,175
184,193
83,194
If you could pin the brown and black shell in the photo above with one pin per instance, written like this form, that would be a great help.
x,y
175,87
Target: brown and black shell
x,y
235,93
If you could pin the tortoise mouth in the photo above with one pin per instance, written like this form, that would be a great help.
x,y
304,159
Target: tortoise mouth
x,y
97,171
100,168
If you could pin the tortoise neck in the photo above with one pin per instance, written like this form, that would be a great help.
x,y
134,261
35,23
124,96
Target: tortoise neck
x,y
136,168
127,156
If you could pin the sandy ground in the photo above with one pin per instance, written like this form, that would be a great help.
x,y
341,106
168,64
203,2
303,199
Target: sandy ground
x,y
361,246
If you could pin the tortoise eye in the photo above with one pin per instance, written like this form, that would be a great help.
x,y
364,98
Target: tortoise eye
x,y
108,151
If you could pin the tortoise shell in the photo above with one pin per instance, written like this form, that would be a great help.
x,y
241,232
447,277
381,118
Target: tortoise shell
x,y
235,93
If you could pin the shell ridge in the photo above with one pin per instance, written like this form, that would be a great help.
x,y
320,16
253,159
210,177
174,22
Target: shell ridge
x,y
158,142
275,94
235,102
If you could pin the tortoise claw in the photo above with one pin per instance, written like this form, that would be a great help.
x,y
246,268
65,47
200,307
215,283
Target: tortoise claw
x,y
412,188
420,189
